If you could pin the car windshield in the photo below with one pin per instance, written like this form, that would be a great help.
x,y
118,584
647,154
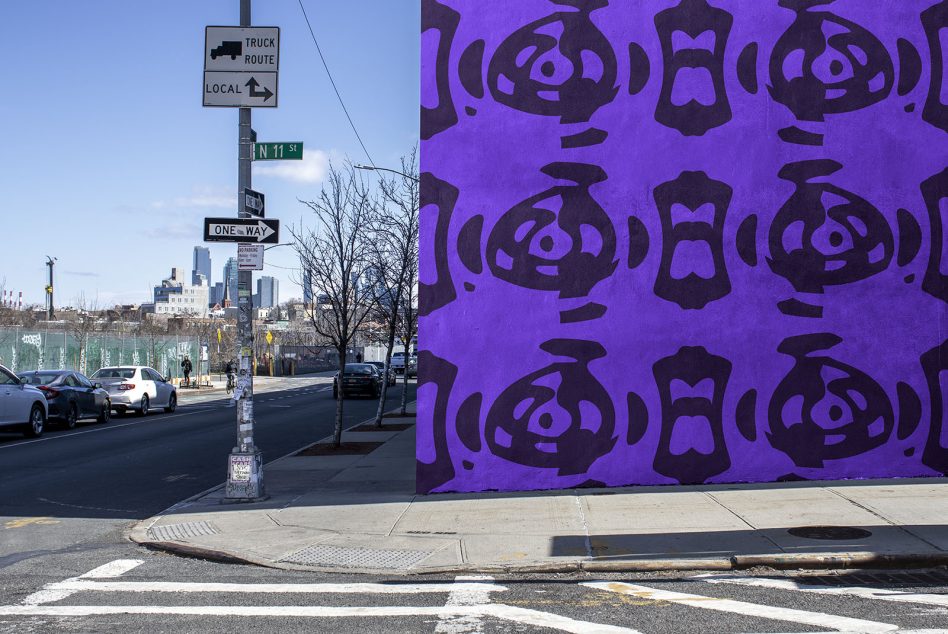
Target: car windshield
x,y
378,364
359,368
114,373
40,378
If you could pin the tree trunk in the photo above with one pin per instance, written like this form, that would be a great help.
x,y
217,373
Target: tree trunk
x,y
405,378
337,431
388,363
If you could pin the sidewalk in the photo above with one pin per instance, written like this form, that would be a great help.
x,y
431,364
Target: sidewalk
x,y
359,513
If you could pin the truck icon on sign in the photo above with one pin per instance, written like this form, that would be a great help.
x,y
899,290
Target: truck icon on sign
x,y
228,48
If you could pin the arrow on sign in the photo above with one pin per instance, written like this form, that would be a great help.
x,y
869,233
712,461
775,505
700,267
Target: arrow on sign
x,y
265,93
251,233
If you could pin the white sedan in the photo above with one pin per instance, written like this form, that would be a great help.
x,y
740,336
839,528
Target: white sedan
x,y
21,405
138,388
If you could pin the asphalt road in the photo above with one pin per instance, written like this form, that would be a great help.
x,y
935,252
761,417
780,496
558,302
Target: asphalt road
x,y
65,565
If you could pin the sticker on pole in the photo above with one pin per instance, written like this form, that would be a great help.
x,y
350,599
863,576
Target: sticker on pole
x,y
240,468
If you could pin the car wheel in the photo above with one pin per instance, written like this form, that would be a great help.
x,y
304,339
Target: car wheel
x,y
143,409
72,416
37,424
172,403
106,414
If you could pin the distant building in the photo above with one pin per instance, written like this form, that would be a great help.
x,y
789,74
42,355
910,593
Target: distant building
x,y
230,279
217,294
176,297
308,287
268,292
201,266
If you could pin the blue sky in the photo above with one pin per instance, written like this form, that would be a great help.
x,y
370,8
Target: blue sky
x,y
110,162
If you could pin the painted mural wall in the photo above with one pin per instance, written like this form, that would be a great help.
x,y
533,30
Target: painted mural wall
x,y
682,241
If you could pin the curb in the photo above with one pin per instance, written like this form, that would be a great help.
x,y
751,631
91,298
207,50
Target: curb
x,y
815,561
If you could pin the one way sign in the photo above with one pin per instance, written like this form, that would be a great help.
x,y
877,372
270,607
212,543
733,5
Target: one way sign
x,y
252,230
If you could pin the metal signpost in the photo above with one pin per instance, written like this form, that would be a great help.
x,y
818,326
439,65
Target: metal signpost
x,y
241,66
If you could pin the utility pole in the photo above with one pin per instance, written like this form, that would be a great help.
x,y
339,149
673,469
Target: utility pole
x,y
50,262
245,457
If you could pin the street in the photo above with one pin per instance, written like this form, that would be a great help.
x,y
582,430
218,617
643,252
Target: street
x,y
67,490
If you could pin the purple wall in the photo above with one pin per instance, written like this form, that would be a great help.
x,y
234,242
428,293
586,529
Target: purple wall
x,y
681,241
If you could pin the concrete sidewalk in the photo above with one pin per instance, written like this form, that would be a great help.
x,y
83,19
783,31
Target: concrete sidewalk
x,y
359,513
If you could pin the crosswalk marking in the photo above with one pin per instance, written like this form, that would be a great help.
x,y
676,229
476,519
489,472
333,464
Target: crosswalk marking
x,y
463,594
468,603
79,584
818,619
880,594
54,592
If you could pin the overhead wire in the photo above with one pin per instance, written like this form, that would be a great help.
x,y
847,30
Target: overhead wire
x,y
332,81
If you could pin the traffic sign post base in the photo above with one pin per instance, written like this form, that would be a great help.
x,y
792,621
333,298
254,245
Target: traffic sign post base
x,y
244,477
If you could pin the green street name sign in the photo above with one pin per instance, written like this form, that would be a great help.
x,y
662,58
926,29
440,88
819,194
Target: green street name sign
x,y
278,151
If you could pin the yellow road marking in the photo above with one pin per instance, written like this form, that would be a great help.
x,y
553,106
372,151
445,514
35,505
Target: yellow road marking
x,y
29,521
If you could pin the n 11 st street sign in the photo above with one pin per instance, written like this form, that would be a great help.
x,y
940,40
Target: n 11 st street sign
x,y
277,151
251,230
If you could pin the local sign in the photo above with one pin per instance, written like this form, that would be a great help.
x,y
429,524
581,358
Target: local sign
x,y
241,66
249,257
251,230
277,151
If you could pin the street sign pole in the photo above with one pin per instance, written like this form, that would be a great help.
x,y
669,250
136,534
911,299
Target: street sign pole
x,y
245,467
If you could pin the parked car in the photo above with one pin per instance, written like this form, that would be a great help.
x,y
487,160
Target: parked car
x,y
358,378
22,406
137,388
70,396
413,366
390,379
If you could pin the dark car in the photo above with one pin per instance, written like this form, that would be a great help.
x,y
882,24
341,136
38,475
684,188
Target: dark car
x,y
70,396
358,378
390,380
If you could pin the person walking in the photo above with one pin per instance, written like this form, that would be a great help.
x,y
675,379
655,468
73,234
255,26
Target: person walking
x,y
186,369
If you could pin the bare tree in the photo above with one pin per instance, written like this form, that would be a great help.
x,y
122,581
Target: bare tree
x,y
394,254
85,324
334,252
153,332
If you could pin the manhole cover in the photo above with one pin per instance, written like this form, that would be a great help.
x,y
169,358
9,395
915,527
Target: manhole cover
x,y
356,557
181,532
829,532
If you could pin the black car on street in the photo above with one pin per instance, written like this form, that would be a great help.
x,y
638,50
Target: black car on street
x,y
70,396
358,378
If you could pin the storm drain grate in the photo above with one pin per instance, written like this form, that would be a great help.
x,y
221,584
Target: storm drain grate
x,y
884,579
185,530
356,557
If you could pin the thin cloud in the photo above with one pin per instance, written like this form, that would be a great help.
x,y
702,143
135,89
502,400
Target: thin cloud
x,y
203,197
81,273
312,169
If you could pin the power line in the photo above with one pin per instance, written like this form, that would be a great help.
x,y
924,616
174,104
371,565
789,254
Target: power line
x,y
331,81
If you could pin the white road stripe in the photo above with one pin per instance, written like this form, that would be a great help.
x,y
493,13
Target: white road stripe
x,y
880,594
505,612
55,592
818,619
78,584
464,594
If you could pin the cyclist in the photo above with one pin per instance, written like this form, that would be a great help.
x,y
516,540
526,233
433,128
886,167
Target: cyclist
x,y
230,370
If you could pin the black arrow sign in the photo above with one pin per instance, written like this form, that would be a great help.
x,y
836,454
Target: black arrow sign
x,y
265,93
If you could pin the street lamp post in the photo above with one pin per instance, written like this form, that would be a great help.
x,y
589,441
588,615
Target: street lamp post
x,y
372,168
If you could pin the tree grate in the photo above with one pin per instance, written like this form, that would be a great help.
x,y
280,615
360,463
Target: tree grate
x,y
337,556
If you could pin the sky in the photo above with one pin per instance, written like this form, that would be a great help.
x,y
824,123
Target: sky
x,y
110,162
